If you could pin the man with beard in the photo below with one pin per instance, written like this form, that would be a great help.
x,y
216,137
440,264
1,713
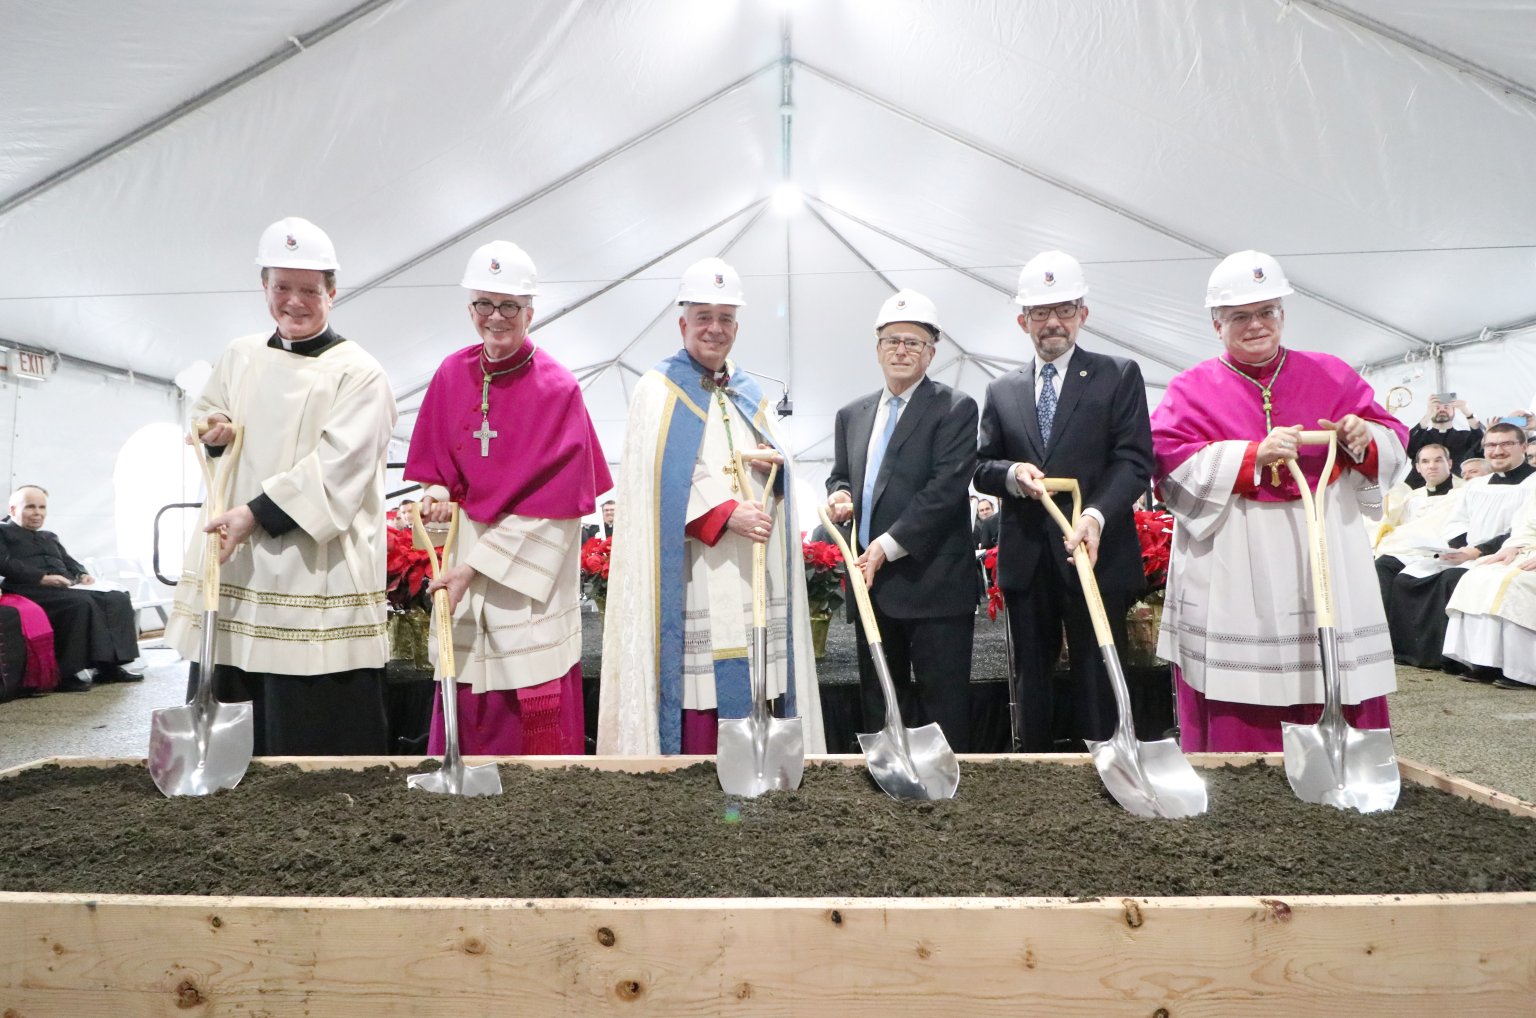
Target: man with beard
x,y
1439,427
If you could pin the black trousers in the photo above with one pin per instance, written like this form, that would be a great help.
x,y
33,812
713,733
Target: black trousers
x,y
1387,568
91,628
339,714
1417,618
1036,615
930,665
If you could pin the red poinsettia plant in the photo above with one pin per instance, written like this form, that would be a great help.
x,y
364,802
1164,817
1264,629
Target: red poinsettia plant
x,y
595,557
994,592
407,571
1154,528
823,576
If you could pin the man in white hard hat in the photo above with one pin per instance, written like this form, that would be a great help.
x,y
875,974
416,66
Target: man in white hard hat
x,y
1069,413
679,619
504,437
302,607
902,460
1238,619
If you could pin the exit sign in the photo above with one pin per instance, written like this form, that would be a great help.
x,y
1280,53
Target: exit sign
x,y
28,364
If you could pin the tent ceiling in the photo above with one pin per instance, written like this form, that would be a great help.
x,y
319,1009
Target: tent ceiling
x,y
1371,145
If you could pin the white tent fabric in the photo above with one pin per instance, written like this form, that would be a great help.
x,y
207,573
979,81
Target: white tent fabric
x,y
1380,149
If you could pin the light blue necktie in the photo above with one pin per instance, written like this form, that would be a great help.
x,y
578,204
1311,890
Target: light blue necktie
x,y
872,470
1046,405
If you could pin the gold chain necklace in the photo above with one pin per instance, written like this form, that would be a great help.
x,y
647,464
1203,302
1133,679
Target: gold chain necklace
x,y
1269,404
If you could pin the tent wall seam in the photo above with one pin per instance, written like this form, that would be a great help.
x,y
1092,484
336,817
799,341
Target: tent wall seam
x,y
552,186
1092,198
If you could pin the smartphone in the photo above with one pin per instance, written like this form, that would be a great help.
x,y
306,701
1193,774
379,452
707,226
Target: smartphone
x,y
1444,397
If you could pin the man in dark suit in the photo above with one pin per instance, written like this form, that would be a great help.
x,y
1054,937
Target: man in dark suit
x,y
984,533
903,456
1075,414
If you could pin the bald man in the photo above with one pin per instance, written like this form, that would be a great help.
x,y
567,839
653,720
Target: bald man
x,y
92,629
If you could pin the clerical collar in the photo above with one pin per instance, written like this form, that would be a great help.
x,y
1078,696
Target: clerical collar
x,y
314,346
1257,371
1432,490
712,379
1514,476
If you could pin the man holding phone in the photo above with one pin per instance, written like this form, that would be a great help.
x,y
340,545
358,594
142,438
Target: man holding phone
x,y
1438,427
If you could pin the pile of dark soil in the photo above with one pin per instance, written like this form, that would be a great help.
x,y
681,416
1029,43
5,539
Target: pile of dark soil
x,y
1015,829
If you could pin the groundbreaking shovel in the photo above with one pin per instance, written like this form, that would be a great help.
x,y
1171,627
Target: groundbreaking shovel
x,y
452,778
205,744
1332,762
1150,779
759,753
908,763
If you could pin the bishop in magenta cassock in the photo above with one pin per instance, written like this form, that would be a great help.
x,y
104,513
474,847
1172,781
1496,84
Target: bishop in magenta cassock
x,y
503,433
1238,619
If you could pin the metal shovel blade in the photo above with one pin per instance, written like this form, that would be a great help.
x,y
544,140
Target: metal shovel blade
x,y
481,779
1151,779
197,751
205,744
1362,775
760,755
926,770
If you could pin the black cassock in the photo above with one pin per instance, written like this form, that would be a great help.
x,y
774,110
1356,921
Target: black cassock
x,y
91,628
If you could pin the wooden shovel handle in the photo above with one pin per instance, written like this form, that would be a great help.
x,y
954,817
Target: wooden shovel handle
x,y
216,479
855,576
1085,577
442,608
1317,537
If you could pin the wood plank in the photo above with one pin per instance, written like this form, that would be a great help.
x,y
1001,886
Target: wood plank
x,y
350,958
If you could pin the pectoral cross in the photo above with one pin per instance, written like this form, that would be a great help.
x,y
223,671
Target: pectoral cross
x,y
485,434
730,470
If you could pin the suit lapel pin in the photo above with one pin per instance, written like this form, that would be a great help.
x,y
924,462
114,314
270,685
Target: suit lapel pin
x,y
1083,373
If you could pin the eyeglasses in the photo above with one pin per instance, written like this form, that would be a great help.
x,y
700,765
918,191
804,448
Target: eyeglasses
x,y
508,308
1511,444
1065,312
911,344
1241,319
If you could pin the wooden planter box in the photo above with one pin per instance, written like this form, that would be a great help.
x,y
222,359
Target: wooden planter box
x,y
126,956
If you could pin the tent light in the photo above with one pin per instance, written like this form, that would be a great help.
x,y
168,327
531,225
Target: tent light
x,y
787,199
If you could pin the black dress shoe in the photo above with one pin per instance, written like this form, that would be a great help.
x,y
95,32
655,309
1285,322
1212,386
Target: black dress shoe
x,y
1474,677
72,684
116,673
1502,683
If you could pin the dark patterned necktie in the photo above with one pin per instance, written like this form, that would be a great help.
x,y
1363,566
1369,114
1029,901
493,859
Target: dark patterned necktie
x,y
1046,404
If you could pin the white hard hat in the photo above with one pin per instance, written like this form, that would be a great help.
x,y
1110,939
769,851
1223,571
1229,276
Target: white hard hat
x,y
1246,278
710,281
1051,277
501,267
295,243
908,306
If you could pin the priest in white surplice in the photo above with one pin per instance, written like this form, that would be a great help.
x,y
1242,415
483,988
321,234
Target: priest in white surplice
x,y
1477,526
301,606
679,606
1412,518
1493,611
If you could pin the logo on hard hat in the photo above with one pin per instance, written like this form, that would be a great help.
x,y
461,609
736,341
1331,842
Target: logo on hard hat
x,y
1258,274
291,243
719,279
1050,279
495,266
901,303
